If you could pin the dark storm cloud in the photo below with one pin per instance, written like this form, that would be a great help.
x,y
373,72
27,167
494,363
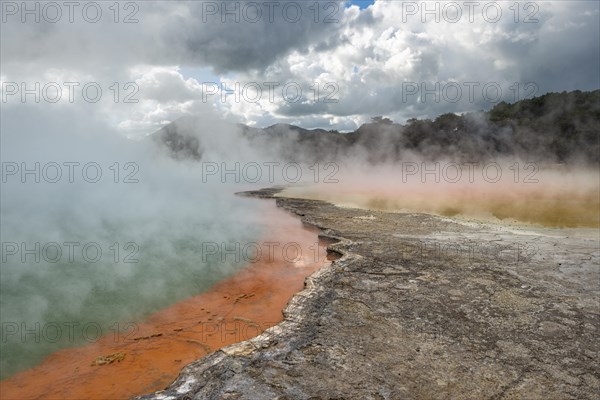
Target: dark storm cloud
x,y
244,45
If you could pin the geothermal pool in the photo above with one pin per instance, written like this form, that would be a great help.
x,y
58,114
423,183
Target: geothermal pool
x,y
166,311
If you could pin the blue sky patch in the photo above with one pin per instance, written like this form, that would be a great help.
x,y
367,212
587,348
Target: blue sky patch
x,y
362,4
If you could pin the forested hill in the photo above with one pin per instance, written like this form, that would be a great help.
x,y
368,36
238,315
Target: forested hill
x,y
555,127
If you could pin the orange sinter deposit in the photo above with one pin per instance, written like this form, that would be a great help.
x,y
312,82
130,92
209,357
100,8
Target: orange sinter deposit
x,y
149,355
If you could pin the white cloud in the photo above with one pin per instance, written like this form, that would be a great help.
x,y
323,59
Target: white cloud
x,y
369,54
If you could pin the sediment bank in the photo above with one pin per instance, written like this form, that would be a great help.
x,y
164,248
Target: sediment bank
x,y
399,317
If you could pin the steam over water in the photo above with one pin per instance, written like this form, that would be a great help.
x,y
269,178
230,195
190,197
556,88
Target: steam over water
x,y
85,258
544,194
71,303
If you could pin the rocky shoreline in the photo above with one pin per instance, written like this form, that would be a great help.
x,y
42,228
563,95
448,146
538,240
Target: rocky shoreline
x,y
422,307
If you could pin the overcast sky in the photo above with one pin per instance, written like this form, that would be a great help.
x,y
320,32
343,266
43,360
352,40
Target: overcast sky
x,y
330,64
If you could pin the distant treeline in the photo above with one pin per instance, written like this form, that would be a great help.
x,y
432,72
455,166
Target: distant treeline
x,y
556,127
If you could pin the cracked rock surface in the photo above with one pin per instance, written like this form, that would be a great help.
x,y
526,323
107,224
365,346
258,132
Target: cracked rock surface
x,y
422,307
